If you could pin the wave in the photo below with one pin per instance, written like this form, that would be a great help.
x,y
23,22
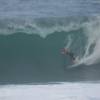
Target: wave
x,y
36,43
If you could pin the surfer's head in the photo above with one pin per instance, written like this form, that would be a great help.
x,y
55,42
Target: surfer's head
x,y
64,51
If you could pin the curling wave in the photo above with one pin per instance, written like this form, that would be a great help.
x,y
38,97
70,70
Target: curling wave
x,y
31,49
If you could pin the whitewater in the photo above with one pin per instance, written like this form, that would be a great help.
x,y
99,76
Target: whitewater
x,y
53,91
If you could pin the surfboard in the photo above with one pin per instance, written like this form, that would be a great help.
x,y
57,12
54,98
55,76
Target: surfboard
x,y
74,65
77,63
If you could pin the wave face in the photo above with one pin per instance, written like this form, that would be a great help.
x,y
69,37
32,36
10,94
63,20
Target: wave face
x,y
30,49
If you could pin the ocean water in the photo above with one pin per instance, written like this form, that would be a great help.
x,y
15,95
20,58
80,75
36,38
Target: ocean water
x,y
32,34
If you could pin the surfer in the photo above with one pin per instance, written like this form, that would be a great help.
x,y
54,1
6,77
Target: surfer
x,y
68,52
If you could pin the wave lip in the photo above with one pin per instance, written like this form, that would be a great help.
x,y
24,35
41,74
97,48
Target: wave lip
x,y
40,26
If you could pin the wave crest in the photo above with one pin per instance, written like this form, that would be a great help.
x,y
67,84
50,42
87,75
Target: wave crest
x,y
42,26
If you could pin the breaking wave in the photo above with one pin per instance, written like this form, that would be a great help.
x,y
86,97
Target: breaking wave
x,y
36,43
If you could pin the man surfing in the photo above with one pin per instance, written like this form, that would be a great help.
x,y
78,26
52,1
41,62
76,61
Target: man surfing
x,y
66,51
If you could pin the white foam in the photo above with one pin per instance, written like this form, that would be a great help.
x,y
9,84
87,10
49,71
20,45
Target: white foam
x,y
64,91
69,41
92,31
34,26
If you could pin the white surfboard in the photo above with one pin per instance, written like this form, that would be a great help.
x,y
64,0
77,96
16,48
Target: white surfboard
x,y
77,62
